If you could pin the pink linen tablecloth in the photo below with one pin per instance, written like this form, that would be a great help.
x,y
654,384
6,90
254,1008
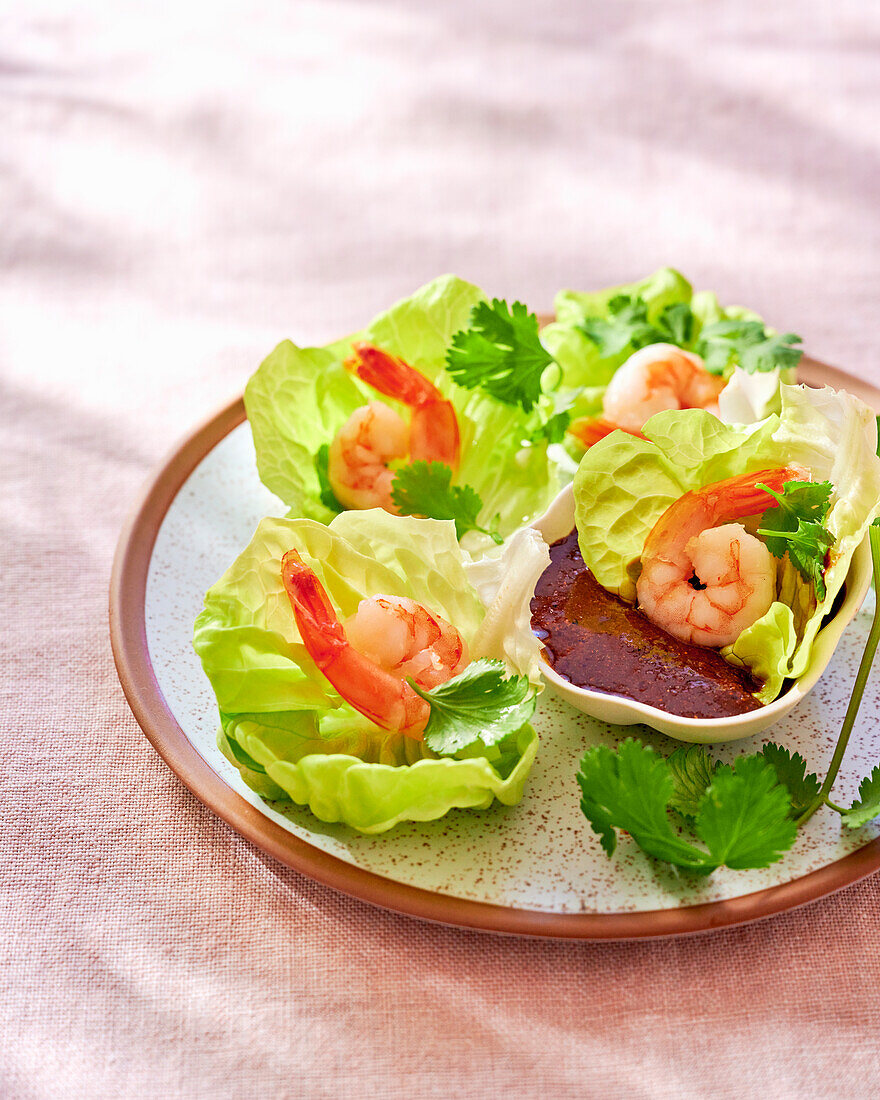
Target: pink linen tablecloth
x,y
183,186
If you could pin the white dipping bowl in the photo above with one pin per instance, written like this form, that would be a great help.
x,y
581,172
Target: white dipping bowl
x,y
558,521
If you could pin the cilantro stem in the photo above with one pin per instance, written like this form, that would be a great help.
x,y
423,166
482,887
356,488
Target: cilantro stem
x,y
858,689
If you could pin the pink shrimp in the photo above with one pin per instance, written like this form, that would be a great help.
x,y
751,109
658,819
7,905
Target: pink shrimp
x,y
368,658
705,579
375,435
653,379
588,430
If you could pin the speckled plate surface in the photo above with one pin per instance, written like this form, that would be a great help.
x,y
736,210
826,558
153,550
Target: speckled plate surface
x,y
532,869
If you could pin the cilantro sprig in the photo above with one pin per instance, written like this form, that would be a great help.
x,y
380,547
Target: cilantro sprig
x,y
749,344
555,418
742,816
698,814
628,328
480,704
796,527
426,489
500,351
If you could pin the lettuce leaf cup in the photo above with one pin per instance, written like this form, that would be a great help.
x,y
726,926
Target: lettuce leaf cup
x,y
624,484
596,332
293,737
299,398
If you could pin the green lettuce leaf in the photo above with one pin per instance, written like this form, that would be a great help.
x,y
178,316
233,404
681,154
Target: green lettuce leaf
x,y
624,484
766,648
286,728
299,398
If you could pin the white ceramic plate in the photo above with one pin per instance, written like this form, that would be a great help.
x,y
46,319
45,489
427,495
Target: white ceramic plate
x,y
535,868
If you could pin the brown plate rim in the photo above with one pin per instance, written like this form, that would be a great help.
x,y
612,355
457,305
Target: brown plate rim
x,y
129,642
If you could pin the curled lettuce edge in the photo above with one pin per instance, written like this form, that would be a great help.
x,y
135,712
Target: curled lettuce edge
x,y
624,484
298,399
283,726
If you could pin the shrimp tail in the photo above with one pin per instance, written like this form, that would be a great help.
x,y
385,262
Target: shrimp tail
x,y
588,430
740,496
385,700
392,376
318,623
433,434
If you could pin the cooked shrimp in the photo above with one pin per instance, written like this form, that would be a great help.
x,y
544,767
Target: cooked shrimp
x,y
653,379
375,435
368,658
359,455
590,429
704,578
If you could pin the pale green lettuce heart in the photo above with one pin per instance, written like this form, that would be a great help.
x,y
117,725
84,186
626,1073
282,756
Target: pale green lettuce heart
x,y
624,484
766,648
289,732
299,398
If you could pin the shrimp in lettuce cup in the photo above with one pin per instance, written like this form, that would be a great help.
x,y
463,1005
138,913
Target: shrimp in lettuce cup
x,y
354,663
810,477
377,420
627,352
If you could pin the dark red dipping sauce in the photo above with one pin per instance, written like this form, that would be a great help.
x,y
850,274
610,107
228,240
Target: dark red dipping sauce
x,y
596,640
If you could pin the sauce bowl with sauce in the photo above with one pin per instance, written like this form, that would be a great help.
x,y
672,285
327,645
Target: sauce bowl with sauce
x,y
634,672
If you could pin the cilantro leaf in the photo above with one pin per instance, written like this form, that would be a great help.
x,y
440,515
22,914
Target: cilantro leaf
x,y
322,465
627,327
742,816
808,500
791,772
795,527
556,418
676,324
480,704
867,807
426,489
749,344
553,429
501,353
692,773
631,790
807,548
